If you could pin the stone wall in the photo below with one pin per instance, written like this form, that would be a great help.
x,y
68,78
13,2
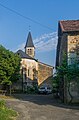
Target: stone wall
x,y
40,71
73,48
30,51
73,56
29,65
44,74
63,48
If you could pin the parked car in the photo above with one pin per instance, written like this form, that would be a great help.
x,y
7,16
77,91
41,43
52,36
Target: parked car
x,y
44,90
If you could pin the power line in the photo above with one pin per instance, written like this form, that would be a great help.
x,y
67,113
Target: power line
x,y
25,17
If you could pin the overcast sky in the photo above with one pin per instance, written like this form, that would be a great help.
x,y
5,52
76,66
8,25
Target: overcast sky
x,y
42,16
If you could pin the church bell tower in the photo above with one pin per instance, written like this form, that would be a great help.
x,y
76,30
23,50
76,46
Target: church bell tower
x,y
29,47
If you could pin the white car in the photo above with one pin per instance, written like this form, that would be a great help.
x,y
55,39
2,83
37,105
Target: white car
x,y
45,90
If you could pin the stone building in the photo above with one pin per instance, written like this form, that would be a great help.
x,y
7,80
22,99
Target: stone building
x,y
33,71
45,72
68,42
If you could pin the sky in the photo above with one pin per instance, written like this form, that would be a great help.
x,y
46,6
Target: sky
x,y
42,16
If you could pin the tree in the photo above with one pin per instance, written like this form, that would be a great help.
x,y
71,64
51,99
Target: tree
x,y
55,85
72,77
9,66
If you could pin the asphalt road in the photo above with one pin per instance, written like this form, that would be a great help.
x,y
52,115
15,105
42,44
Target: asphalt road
x,y
42,107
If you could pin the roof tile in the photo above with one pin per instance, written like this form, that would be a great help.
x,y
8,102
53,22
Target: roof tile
x,y
69,25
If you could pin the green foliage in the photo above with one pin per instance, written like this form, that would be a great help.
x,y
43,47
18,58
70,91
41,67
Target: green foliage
x,y
55,86
69,72
6,113
63,68
31,89
2,103
9,66
55,82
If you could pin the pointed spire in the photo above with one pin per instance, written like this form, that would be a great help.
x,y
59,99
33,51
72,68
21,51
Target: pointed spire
x,y
29,42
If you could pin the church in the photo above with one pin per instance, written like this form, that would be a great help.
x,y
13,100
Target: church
x,y
32,70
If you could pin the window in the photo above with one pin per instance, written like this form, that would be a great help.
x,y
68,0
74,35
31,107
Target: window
x,y
30,51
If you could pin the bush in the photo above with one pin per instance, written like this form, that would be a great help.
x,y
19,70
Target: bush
x,y
30,89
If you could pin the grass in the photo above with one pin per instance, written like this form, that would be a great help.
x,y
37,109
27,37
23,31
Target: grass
x,y
6,97
6,113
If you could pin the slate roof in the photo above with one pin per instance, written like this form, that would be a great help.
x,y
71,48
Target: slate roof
x,y
29,42
69,25
24,55
45,64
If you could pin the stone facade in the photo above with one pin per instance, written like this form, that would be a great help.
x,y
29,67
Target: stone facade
x,y
33,72
73,48
68,43
30,51
44,74
28,65
70,46
73,56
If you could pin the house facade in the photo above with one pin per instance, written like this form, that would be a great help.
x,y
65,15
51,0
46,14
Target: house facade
x,y
32,70
68,43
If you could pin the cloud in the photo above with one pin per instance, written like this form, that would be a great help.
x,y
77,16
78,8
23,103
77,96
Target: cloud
x,y
45,42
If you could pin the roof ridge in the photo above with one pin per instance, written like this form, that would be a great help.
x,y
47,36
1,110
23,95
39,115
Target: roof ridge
x,y
45,64
24,55
69,20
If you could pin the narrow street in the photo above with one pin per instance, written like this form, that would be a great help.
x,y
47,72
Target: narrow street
x,y
42,107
